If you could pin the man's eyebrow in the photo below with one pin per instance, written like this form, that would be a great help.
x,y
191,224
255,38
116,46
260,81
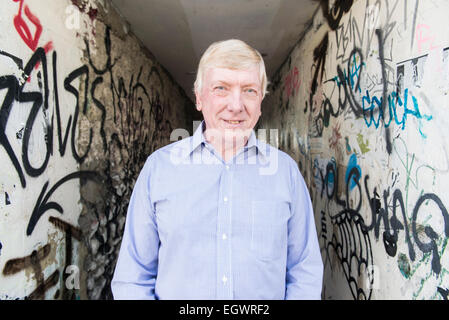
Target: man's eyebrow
x,y
250,84
220,82
243,85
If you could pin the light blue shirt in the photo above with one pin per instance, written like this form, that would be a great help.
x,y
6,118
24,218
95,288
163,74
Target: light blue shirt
x,y
201,228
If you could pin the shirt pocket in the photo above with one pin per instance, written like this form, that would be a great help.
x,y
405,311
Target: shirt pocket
x,y
269,229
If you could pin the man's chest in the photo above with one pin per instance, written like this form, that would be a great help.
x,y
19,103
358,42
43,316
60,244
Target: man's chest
x,y
226,204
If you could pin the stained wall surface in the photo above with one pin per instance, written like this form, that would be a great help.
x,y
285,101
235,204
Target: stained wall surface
x,y
82,106
360,104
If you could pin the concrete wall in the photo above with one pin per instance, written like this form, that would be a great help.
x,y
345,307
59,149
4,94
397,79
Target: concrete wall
x,y
82,106
361,104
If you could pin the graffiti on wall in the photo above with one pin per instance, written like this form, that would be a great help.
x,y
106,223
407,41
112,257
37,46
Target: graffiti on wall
x,y
111,122
364,126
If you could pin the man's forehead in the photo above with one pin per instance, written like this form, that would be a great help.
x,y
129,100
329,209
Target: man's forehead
x,y
217,74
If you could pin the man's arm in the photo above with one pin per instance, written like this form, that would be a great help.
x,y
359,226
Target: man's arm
x,y
136,269
304,264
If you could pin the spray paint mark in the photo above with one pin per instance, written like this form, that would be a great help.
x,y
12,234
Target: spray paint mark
x,y
364,146
404,265
348,147
352,164
34,261
414,23
444,292
92,13
19,134
7,200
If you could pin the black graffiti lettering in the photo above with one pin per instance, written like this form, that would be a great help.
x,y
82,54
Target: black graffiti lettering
x,y
319,58
70,232
330,174
62,141
335,13
444,292
68,86
12,85
352,236
38,100
100,106
140,127
356,173
353,248
16,60
33,261
433,236
108,65
380,39
43,205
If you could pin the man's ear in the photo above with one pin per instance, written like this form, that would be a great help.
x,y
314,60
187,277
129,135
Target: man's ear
x,y
198,101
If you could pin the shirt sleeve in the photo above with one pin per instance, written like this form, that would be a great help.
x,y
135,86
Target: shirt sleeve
x,y
304,263
136,269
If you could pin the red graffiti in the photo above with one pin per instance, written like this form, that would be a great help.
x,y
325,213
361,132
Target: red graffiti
x,y
48,46
23,29
292,83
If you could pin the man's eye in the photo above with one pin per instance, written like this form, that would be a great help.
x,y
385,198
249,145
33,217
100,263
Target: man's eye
x,y
219,88
251,91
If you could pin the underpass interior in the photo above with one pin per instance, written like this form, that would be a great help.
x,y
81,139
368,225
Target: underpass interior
x,y
357,95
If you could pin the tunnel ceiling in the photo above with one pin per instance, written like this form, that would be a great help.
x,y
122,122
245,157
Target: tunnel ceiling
x,y
178,31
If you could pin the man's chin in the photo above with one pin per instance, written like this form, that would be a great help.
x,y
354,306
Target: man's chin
x,y
240,135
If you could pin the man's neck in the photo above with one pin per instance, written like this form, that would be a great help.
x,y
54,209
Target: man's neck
x,y
229,146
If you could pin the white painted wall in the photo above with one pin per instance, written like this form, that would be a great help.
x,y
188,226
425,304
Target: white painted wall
x,y
15,216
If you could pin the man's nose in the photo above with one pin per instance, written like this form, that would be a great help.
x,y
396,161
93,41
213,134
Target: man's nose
x,y
235,102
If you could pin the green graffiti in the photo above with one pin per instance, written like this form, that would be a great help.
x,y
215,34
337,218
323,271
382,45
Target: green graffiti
x,y
404,265
363,145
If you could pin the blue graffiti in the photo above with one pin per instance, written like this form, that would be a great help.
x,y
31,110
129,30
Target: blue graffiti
x,y
372,105
355,178
330,178
354,74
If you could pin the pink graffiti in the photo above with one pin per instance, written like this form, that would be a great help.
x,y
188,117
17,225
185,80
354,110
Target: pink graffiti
x,y
425,38
292,83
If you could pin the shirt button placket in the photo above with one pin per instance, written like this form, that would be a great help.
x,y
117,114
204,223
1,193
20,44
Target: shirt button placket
x,y
223,247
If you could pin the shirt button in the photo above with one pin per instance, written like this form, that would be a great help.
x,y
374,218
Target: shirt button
x,y
224,279
225,199
224,236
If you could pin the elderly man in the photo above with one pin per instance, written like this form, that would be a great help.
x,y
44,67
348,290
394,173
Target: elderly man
x,y
210,216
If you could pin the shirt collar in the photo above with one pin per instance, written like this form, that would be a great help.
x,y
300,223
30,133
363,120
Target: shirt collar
x,y
198,139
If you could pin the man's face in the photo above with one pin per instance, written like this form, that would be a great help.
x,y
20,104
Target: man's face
x,y
230,100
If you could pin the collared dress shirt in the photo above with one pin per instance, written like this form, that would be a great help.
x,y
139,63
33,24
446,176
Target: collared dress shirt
x,y
201,228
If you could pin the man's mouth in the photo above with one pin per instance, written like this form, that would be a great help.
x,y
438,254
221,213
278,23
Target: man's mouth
x,y
233,121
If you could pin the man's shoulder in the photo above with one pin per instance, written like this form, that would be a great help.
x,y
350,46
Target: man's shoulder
x,y
171,150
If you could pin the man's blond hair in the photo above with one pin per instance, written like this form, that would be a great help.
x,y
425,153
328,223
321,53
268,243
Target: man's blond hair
x,y
231,54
